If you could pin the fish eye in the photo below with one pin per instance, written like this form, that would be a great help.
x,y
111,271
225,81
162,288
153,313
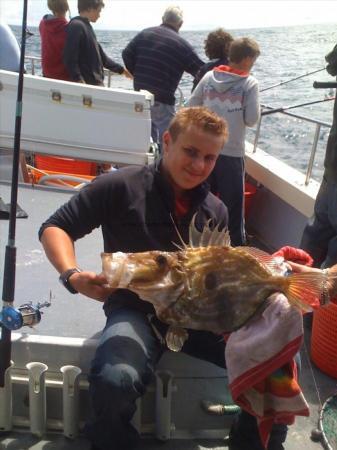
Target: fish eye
x,y
210,281
161,260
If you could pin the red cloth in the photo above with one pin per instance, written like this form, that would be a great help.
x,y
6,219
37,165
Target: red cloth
x,y
261,371
53,36
296,255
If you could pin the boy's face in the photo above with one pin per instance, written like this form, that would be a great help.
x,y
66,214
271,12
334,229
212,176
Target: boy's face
x,y
94,14
189,160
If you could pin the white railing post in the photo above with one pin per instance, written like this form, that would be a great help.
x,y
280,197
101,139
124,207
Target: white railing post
x,y
6,411
37,397
312,154
70,394
164,381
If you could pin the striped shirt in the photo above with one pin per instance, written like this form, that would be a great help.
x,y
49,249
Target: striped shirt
x,y
157,57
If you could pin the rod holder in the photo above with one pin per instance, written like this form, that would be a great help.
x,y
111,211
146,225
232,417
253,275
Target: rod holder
x,y
37,397
164,380
6,406
70,395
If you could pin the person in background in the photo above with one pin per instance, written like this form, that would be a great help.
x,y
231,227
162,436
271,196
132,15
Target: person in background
x,y
319,237
53,35
83,56
232,93
157,57
217,46
9,49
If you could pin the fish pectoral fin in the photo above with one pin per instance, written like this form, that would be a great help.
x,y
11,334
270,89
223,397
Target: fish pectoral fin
x,y
175,338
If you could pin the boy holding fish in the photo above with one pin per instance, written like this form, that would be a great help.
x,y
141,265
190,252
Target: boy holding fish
x,y
145,209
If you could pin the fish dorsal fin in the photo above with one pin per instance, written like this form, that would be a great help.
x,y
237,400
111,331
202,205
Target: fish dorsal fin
x,y
270,262
208,236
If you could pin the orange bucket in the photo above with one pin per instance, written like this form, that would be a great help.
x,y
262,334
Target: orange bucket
x,y
250,191
324,339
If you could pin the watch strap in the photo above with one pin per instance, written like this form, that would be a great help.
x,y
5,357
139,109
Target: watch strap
x,y
64,279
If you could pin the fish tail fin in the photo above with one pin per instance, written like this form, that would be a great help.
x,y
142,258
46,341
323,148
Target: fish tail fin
x,y
306,290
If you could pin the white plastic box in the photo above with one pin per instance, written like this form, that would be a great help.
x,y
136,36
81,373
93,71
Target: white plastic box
x,y
77,120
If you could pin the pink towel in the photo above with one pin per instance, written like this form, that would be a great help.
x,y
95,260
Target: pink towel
x,y
261,369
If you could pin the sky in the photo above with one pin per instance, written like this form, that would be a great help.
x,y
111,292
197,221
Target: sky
x,y
198,14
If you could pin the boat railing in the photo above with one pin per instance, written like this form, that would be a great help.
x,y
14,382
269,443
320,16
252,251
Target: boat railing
x,y
318,125
33,65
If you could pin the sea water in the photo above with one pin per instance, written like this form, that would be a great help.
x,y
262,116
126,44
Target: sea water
x,y
286,53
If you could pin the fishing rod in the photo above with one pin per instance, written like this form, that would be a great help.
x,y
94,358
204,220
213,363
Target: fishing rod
x,y
285,108
10,254
292,79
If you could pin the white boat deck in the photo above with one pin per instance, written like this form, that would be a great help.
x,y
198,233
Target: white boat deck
x,y
77,319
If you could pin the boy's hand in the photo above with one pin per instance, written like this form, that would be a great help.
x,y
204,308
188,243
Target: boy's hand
x,y
92,285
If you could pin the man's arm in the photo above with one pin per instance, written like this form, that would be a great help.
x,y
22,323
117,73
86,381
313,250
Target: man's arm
x,y
109,63
197,97
59,248
332,275
193,63
251,106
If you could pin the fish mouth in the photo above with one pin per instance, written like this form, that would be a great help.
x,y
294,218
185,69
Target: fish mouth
x,y
138,270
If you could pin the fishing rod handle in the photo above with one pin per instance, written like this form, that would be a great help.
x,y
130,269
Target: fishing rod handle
x,y
325,85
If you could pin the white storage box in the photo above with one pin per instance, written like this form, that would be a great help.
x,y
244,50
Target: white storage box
x,y
77,120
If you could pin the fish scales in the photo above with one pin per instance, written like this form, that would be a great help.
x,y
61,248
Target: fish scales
x,y
215,288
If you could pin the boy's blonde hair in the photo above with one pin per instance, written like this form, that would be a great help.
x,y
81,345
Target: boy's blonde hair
x,y
201,117
58,6
242,48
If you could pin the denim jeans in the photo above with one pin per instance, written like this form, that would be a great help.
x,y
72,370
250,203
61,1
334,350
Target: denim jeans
x,y
122,368
161,116
320,234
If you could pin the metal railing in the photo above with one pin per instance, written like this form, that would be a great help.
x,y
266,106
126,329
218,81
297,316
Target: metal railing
x,y
318,124
34,60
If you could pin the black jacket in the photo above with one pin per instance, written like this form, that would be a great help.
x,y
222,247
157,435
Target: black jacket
x,y
207,67
134,206
83,56
157,57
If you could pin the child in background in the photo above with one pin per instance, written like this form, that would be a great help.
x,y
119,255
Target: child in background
x,y
53,35
217,46
233,94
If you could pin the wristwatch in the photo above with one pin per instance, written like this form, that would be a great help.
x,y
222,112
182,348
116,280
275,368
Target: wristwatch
x,y
64,279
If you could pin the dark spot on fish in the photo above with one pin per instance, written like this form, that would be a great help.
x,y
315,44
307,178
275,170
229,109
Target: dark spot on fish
x,y
210,281
161,261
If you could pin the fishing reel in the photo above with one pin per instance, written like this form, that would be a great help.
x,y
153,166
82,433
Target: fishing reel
x,y
25,315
